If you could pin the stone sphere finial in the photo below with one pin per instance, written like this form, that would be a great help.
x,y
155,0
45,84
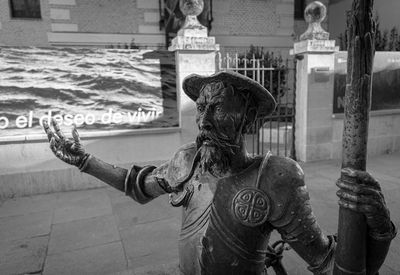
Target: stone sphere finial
x,y
191,7
314,14
193,35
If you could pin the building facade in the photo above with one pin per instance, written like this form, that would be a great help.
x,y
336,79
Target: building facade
x,y
235,24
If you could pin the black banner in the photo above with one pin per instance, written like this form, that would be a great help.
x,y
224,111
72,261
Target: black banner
x,y
385,81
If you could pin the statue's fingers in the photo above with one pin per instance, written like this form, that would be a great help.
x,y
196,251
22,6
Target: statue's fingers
x,y
348,205
78,148
53,146
47,130
349,172
362,208
59,154
56,137
59,133
349,196
367,208
360,199
67,159
75,135
68,145
362,176
356,188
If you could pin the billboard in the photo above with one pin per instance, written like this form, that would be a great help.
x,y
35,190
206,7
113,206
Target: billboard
x,y
385,81
96,89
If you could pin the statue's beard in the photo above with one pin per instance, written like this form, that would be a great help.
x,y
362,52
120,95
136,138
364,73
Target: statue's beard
x,y
216,152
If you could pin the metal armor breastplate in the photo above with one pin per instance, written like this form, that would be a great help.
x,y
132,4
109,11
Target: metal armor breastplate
x,y
195,218
237,235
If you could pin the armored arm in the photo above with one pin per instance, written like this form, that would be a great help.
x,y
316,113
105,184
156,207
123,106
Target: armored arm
x,y
146,183
292,215
136,182
143,183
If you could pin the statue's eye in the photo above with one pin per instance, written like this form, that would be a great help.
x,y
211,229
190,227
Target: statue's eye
x,y
218,108
200,108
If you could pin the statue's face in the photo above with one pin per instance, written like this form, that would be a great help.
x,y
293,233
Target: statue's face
x,y
219,110
219,116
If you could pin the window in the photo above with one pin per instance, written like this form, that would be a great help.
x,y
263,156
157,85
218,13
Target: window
x,y
25,8
299,6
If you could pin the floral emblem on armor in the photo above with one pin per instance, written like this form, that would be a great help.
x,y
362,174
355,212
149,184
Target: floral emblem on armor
x,y
251,207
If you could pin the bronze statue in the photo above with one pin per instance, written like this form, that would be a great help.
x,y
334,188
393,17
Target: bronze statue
x,y
231,202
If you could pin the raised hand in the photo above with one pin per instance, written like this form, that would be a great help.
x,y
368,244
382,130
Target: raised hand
x,y
360,192
69,151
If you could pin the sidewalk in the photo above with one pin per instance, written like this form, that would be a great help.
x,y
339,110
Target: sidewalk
x,y
100,231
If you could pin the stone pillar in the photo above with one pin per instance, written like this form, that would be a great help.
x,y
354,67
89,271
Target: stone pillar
x,y
195,53
314,89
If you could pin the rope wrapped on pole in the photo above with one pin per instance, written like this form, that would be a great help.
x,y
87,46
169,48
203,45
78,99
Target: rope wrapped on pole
x,y
350,255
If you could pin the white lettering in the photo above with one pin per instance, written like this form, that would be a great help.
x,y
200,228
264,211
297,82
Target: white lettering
x,y
90,119
132,117
106,118
117,118
48,117
79,119
6,122
58,118
340,102
68,120
21,121
30,120
146,117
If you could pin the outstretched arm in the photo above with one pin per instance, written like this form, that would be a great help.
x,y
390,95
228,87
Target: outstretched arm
x,y
138,182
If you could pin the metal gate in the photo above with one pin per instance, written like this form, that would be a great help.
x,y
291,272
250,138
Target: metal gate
x,y
274,133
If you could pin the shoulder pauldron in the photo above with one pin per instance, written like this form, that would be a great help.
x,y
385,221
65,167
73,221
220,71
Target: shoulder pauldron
x,y
291,214
178,167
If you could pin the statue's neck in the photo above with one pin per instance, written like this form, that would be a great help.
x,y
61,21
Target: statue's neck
x,y
240,160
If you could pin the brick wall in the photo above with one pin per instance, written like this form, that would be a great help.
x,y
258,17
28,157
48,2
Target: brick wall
x,y
106,16
68,21
239,23
245,17
108,22
23,32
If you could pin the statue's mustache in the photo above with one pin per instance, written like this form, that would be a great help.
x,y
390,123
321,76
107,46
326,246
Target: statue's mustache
x,y
216,139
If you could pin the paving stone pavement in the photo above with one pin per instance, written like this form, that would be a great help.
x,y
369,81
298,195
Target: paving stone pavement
x,y
101,231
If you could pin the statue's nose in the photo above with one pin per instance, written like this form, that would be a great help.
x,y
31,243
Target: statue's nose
x,y
205,124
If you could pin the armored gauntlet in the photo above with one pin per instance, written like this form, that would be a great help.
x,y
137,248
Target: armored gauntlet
x,y
67,150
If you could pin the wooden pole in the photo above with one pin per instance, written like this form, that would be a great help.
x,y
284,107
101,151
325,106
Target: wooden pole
x,y
350,254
